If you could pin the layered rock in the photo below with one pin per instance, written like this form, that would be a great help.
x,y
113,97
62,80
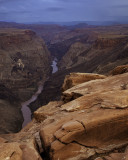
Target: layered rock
x,y
77,78
11,118
99,56
109,41
20,52
92,126
72,56
119,70
24,62
101,85
19,151
92,52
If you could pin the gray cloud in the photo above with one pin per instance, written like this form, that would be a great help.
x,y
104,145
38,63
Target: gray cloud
x,y
55,9
62,10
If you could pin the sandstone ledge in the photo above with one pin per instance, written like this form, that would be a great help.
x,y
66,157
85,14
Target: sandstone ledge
x,y
92,126
77,78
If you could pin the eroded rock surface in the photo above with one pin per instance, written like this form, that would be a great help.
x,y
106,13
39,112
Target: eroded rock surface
x,y
19,52
118,82
11,117
19,151
90,127
119,70
24,61
77,78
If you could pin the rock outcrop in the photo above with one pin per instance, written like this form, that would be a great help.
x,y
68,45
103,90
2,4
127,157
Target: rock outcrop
x,y
108,42
77,78
11,117
73,56
19,151
92,126
99,56
24,62
20,51
119,70
97,50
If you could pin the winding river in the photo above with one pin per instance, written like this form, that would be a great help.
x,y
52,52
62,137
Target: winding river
x,y
25,109
54,65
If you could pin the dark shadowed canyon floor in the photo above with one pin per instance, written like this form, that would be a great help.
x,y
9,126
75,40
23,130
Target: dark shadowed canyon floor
x,y
25,105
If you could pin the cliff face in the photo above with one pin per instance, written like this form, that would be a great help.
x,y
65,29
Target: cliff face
x,y
91,50
11,118
63,42
108,42
73,57
91,125
24,61
100,56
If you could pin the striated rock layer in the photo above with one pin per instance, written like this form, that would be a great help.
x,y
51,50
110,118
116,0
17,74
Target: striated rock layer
x,y
11,118
77,78
91,126
24,62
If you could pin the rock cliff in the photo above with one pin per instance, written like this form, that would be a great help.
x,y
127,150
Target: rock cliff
x,y
11,117
91,126
105,53
88,50
24,62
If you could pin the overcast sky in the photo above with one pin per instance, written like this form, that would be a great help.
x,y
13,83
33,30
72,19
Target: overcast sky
x,y
63,10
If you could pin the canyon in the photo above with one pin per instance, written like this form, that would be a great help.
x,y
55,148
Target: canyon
x,y
90,49
63,92
89,122
19,74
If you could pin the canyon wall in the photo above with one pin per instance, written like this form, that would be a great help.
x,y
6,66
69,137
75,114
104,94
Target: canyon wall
x,y
98,56
24,62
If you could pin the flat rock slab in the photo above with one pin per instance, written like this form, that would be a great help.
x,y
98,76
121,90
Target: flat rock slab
x,y
77,78
118,82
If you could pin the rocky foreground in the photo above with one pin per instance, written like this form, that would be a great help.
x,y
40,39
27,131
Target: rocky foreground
x,y
90,122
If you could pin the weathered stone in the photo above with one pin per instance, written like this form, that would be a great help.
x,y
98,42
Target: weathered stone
x,y
98,158
2,140
43,112
119,70
102,99
95,121
93,126
30,151
19,74
77,78
10,151
19,151
97,86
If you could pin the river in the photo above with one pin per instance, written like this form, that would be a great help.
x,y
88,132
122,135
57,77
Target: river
x,y
25,109
54,65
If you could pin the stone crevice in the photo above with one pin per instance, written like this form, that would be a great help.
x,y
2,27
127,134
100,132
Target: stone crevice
x,y
82,124
91,147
